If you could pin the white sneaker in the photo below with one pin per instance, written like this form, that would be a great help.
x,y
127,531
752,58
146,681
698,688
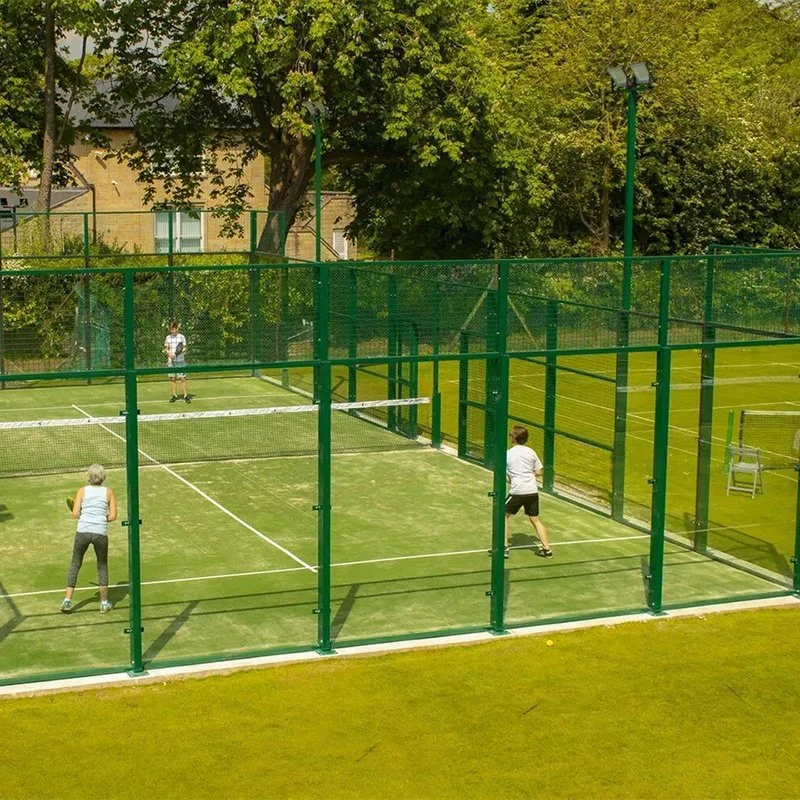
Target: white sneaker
x,y
66,606
105,606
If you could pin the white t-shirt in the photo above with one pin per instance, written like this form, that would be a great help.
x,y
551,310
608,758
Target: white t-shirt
x,y
171,344
521,463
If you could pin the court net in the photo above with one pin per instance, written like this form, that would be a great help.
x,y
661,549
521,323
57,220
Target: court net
x,y
775,433
69,445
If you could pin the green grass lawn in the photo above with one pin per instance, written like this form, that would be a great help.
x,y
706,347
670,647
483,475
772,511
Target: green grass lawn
x,y
701,707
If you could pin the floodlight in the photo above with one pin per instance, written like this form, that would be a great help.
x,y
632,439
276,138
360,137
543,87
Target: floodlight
x,y
641,74
619,79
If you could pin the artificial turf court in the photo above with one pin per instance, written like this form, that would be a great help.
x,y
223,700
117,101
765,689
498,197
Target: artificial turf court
x,y
229,547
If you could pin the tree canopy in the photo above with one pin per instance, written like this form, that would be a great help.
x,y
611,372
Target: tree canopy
x,y
462,128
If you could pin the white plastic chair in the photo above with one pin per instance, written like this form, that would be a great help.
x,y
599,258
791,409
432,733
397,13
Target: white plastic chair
x,y
745,464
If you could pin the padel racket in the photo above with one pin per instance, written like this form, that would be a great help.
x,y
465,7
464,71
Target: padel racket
x,y
70,503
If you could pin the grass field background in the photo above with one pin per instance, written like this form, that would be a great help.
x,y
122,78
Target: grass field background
x,y
229,547
691,708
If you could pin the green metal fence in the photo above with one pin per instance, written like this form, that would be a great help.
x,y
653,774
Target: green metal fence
x,y
625,390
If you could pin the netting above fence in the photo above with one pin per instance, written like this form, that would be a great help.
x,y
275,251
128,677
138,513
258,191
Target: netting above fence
x,y
73,320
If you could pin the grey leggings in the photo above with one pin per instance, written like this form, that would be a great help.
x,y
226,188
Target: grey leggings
x,y
82,542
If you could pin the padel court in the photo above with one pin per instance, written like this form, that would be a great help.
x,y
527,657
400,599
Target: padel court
x,y
229,535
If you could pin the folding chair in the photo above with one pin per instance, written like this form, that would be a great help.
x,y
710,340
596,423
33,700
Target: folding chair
x,y
745,463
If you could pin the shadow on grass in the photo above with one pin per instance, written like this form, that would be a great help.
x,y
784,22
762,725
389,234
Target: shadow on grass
x,y
17,617
740,545
177,623
345,607
5,514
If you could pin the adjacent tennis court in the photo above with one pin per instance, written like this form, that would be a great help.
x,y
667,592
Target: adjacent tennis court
x,y
229,535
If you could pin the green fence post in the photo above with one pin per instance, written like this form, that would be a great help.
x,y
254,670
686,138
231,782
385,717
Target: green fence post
x,y
352,334
132,475
463,394
283,340
254,236
492,367
436,397
2,329
499,445
658,507
392,349
87,300
255,315
796,558
706,417
550,381
621,398
323,507
726,459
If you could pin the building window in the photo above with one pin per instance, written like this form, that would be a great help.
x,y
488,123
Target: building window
x,y
187,231
340,244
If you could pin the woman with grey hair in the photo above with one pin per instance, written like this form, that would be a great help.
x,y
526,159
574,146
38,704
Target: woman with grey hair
x,y
94,507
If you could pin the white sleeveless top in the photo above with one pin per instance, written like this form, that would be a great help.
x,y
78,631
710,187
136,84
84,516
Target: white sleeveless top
x,y
94,511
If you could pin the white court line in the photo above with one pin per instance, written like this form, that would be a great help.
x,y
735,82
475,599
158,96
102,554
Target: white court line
x,y
210,499
338,564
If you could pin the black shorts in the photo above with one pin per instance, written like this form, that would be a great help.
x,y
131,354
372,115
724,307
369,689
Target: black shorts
x,y
530,502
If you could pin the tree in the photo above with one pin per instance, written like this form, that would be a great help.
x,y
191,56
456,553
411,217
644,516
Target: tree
x,y
203,77
717,145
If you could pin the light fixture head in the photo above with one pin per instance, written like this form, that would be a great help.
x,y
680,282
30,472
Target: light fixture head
x,y
642,77
619,78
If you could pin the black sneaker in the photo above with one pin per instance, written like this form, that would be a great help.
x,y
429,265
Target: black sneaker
x,y
544,552
173,399
186,399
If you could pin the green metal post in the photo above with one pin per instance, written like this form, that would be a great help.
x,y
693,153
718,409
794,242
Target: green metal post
x,y
2,329
726,462
87,300
132,475
796,558
492,371
253,236
318,180
255,316
323,507
463,394
392,349
283,327
499,445
436,399
658,507
706,417
352,334
550,381
623,333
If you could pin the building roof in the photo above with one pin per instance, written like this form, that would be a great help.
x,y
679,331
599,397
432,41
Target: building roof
x,y
21,205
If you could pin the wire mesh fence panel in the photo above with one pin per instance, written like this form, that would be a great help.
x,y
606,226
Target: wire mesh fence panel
x,y
41,471
55,323
395,572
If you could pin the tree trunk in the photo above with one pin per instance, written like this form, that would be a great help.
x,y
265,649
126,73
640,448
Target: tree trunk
x,y
49,139
290,171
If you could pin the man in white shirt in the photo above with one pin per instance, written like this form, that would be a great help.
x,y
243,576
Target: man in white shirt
x,y
522,468
175,350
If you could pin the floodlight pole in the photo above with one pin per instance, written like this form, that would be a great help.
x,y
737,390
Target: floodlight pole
x,y
631,81
318,179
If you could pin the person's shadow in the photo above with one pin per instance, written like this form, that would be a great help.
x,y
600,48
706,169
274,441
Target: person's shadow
x,y
5,514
